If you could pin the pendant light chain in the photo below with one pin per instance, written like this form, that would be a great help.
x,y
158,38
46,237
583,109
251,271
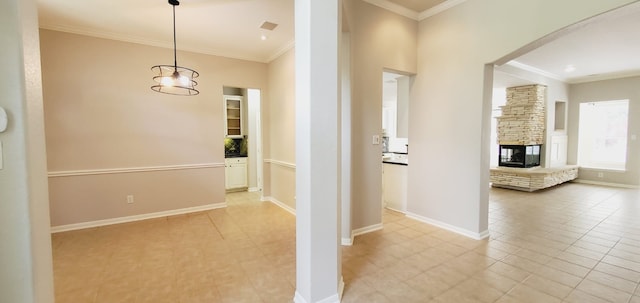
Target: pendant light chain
x,y
175,56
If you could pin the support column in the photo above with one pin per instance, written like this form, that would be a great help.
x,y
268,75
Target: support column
x,y
318,272
26,270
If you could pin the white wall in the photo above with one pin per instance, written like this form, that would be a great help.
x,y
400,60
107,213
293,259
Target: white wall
x,y
618,89
449,122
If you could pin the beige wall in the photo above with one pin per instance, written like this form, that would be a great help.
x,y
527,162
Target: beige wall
x,y
279,129
449,123
618,89
100,114
379,40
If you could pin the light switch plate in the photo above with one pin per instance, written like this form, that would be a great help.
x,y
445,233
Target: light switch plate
x,y
3,120
375,140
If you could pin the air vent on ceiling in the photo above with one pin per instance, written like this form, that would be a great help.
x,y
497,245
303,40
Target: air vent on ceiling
x,y
268,25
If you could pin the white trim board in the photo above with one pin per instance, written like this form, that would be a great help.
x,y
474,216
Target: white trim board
x,y
439,9
609,184
86,172
396,8
411,14
366,230
280,163
181,211
280,204
343,241
449,227
331,299
347,241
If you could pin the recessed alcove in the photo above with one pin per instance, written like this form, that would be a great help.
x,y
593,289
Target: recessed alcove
x,y
560,116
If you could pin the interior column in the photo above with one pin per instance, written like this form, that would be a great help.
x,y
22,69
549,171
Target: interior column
x,y
317,151
26,270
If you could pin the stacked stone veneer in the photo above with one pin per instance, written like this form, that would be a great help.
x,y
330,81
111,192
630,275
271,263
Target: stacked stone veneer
x,y
522,121
532,179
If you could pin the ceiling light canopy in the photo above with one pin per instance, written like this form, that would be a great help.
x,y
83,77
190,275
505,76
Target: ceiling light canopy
x,y
174,79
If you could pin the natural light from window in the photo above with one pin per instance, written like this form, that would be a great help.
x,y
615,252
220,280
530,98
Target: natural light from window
x,y
602,136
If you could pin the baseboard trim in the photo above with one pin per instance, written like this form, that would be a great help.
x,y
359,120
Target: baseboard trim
x,y
365,230
98,223
461,231
279,203
253,189
347,241
620,185
332,299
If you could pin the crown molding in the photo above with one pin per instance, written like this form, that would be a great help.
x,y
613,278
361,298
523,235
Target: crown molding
x,y
535,70
148,42
604,77
439,8
396,8
409,13
291,44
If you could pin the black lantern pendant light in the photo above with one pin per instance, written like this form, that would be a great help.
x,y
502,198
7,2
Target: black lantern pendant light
x,y
174,79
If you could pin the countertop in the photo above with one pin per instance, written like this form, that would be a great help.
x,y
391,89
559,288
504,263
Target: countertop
x,y
395,158
235,156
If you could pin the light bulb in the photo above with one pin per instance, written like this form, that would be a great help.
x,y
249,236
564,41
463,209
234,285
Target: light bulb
x,y
183,80
167,81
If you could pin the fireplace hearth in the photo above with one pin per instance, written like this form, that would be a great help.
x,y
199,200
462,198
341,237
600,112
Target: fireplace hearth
x,y
523,156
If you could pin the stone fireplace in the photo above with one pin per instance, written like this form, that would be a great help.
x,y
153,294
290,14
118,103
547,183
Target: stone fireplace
x,y
521,126
521,135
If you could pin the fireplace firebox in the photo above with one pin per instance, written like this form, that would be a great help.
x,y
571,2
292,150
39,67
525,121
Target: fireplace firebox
x,y
519,155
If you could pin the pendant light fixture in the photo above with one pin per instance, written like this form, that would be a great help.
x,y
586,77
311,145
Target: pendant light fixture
x,y
174,79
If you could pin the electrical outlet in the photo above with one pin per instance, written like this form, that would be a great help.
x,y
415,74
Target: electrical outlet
x,y
129,199
600,175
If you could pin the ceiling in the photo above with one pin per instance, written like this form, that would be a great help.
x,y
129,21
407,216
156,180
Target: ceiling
x,y
605,48
229,28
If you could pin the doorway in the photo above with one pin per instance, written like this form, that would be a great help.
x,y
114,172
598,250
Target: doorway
x,y
243,139
395,140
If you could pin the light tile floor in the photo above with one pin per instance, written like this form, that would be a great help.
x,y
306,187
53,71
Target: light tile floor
x,y
571,243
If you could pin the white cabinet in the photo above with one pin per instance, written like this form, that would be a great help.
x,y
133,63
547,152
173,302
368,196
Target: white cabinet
x,y
394,186
234,116
235,170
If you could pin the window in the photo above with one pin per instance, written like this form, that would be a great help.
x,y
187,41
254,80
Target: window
x,y
602,135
